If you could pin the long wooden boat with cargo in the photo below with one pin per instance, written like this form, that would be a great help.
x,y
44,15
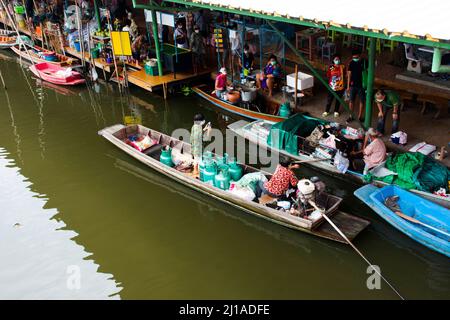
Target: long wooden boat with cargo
x,y
349,224
35,54
256,133
245,110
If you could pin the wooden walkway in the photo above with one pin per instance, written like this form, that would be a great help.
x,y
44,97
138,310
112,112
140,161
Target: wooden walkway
x,y
150,83
21,30
99,63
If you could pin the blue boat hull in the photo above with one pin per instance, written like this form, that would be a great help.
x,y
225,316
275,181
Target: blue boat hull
x,y
414,206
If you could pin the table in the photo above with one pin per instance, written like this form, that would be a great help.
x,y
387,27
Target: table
x,y
310,34
175,59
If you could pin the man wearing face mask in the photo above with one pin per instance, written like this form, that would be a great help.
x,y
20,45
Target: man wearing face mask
x,y
355,83
246,63
387,100
180,36
198,48
335,75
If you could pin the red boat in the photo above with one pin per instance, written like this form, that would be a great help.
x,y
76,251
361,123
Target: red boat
x,y
56,74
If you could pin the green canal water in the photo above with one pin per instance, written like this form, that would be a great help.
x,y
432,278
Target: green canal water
x,y
69,198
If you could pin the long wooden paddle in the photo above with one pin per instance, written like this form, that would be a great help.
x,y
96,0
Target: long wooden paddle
x,y
411,219
335,227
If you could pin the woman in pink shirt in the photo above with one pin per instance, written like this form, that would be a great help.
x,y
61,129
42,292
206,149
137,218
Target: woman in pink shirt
x,y
221,83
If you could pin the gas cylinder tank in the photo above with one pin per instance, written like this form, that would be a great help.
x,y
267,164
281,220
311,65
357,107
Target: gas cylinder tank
x,y
222,179
209,173
166,156
285,110
235,170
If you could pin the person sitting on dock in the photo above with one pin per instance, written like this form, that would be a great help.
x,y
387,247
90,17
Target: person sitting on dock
x,y
271,72
283,178
221,84
335,75
387,100
373,151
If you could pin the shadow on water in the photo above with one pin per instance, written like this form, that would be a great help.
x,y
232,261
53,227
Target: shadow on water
x,y
40,259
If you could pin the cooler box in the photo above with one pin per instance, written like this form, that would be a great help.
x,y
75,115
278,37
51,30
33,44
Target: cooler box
x,y
151,70
304,81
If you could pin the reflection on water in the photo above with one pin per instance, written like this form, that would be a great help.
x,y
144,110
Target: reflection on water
x,y
39,258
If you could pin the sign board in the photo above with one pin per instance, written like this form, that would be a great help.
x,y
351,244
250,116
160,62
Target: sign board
x,y
121,43
130,120
166,19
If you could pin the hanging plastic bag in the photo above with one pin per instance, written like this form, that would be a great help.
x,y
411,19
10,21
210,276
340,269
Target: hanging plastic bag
x,y
207,133
341,162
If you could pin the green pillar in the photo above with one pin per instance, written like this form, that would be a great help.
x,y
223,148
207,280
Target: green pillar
x,y
156,38
97,15
370,81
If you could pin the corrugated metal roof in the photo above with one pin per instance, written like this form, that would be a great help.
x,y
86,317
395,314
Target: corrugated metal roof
x,y
410,18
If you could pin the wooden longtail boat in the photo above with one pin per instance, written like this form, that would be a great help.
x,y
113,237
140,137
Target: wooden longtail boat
x,y
56,74
250,131
35,54
420,219
205,92
7,42
350,225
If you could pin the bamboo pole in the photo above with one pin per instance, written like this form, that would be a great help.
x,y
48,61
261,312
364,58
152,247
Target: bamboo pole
x,y
80,36
21,43
3,80
296,86
108,17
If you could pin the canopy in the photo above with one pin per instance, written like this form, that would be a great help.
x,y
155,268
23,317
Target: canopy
x,y
412,19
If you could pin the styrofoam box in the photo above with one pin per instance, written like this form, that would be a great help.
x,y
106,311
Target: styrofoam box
x,y
304,81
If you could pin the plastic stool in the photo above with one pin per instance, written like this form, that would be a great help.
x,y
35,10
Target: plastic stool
x,y
377,45
328,50
332,35
359,41
391,44
347,40
320,42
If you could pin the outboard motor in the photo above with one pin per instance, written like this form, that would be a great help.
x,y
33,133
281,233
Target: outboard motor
x,y
306,191
306,196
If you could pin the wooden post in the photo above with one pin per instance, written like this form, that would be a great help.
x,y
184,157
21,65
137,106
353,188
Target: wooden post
x,y
116,71
296,86
156,39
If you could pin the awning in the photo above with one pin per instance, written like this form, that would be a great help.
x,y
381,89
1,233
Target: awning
x,y
424,20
